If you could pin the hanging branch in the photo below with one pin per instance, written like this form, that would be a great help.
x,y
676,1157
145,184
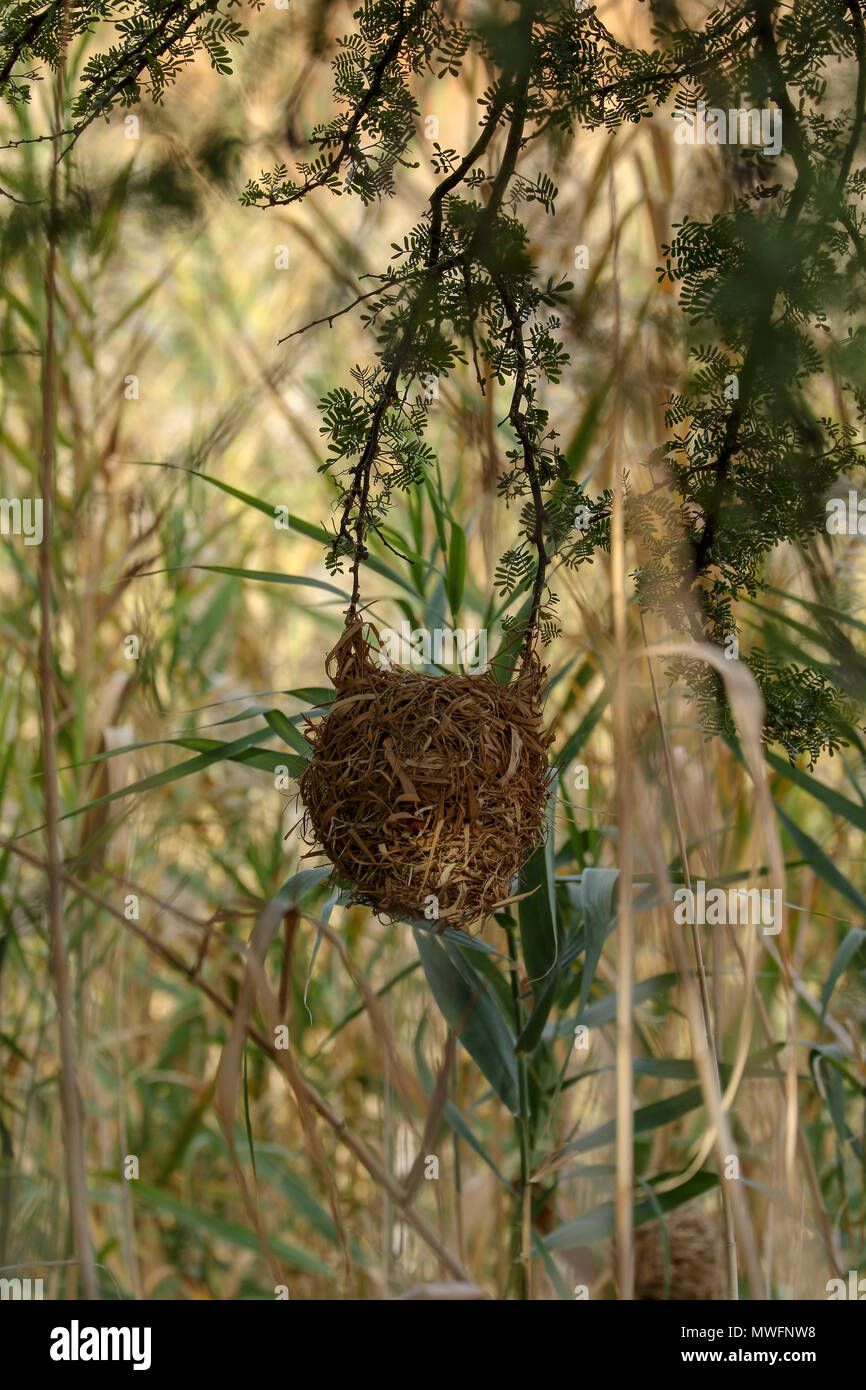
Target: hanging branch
x,y
359,491
520,424
362,473
388,60
758,345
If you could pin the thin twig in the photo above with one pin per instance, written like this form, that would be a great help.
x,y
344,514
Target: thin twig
x,y
517,417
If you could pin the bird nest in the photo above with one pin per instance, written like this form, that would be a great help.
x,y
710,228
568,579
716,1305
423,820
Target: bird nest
x,y
685,1263
426,792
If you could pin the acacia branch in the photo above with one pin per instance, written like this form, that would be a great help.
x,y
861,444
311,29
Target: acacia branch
x,y
389,56
29,32
359,490
132,62
860,99
757,346
517,416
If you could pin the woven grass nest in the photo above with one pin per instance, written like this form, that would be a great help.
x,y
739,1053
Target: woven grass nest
x,y
426,792
695,1258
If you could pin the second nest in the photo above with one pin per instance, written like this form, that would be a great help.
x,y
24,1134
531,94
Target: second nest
x,y
426,792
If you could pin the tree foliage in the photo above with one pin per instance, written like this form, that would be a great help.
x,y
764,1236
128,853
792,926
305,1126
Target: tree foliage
x,y
770,415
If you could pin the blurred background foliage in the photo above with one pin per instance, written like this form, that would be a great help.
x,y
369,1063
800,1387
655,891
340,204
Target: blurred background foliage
x,y
182,424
